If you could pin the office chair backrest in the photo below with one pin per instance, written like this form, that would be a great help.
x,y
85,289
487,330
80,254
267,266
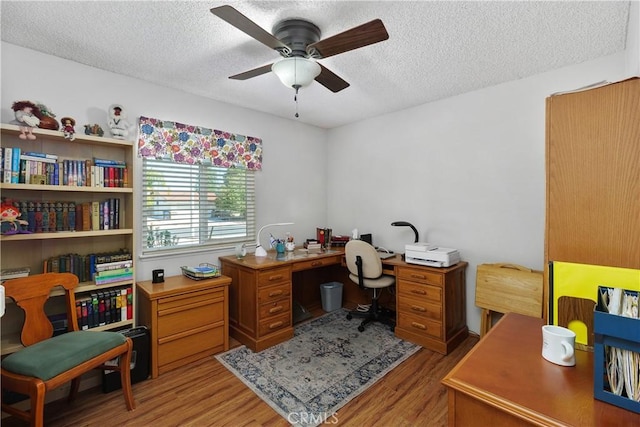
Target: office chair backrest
x,y
371,262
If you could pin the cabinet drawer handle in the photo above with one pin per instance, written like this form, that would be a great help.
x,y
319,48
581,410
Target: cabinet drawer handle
x,y
418,291
278,277
275,325
418,325
275,293
418,308
418,276
276,309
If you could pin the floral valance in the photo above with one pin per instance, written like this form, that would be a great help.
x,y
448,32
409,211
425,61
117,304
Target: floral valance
x,y
162,139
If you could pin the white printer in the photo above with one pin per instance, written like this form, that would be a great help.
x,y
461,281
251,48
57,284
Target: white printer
x,y
430,255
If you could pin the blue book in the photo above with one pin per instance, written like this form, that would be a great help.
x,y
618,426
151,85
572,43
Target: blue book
x,y
42,155
15,165
56,174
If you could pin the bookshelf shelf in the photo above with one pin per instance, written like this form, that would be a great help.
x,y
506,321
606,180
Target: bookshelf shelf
x,y
65,188
33,249
65,235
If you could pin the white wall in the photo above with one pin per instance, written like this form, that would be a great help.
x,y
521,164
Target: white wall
x,y
286,190
467,171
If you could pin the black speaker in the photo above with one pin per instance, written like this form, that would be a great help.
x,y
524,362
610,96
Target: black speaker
x,y
158,276
367,238
139,360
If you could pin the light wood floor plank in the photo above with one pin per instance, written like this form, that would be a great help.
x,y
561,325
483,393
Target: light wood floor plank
x,y
205,393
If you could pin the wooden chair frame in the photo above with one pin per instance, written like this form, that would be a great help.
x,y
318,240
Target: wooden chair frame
x,y
30,293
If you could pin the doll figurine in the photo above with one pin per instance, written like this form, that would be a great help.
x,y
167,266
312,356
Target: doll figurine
x,y
68,128
118,121
9,215
26,113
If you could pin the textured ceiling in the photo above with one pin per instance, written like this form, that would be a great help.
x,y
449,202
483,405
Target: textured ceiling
x,y
435,49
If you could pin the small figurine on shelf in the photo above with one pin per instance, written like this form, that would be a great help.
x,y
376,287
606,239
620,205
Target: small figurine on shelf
x,y
9,222
93,129
68,128
26,113
47,118
118,121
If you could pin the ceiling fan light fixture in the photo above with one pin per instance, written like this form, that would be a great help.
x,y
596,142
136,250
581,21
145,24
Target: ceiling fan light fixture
x,y
296,72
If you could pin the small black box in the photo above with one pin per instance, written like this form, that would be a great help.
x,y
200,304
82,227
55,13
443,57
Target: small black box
x,y
139,360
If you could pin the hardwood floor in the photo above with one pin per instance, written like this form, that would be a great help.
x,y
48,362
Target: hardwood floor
x,y
205,393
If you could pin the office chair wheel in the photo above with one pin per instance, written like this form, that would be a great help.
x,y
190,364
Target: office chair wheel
x,y
349,316
361,328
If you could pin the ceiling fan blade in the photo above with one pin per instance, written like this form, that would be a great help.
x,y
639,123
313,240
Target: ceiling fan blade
x,y
244,24
330,80
360,36
252,73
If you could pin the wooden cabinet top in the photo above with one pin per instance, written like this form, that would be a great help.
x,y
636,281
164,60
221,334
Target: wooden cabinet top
x,y
174,285
506,370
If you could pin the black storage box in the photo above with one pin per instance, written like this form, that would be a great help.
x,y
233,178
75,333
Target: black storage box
x,y
139,360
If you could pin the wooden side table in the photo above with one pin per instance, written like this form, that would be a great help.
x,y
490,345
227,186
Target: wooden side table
x,y
188,319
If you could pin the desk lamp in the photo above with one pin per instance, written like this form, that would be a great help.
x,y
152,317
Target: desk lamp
x,y
260,251
406,224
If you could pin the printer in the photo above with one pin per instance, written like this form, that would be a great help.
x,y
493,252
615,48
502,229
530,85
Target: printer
x,y
430,255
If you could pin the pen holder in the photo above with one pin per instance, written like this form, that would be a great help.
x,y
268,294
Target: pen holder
x,y
280,248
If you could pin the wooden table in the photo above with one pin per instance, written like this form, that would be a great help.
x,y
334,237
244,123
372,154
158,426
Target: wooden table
x,y
188,319
504,381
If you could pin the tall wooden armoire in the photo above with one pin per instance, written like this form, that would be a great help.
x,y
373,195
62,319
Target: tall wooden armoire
x,y
593,177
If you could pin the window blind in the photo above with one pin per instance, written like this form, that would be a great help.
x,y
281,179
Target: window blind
x,y
195,206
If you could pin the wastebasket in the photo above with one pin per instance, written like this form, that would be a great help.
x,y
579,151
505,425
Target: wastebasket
x,y
331,294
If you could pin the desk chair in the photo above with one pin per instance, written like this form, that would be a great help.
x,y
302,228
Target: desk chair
x,y
365,269
48,362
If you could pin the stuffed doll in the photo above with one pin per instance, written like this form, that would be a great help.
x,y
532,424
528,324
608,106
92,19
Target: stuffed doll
x,y
118,122
68,128
26,113
9,222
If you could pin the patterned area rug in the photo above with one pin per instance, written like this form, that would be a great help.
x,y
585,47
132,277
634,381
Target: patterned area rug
x,y
325,365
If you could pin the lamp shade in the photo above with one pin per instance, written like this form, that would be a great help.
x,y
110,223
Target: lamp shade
x,y
296,72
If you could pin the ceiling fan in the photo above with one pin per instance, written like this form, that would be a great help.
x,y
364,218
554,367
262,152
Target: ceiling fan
x,y
298,42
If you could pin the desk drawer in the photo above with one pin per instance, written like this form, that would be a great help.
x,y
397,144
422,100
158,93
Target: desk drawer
x,y
189,298
420,325
271,277
317,263
187,317
420,275
274,293
419,307
274,324
424,292
172,349
275,308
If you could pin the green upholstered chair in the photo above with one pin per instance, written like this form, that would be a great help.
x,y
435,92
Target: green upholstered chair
x,y
47,362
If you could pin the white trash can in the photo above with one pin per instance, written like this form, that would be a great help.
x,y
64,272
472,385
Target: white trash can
x,y
331,295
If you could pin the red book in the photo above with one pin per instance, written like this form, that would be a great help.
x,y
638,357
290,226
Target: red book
x,y
129,303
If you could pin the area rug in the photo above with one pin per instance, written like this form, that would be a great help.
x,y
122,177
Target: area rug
x,y
325,365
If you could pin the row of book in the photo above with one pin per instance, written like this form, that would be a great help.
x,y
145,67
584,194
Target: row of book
x,y
50,216
86,266
32,167
104,307
14,273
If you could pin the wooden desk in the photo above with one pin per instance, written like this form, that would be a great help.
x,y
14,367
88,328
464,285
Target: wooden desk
x,y
187,318
504,381
430,302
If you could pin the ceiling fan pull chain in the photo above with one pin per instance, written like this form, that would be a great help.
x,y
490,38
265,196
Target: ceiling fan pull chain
x,y
295,98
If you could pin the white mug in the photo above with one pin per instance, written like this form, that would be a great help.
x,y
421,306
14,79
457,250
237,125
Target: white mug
x,y
558,345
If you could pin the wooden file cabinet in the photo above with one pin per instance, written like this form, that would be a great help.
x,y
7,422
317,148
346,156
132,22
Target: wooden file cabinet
x,y
188,319
431,305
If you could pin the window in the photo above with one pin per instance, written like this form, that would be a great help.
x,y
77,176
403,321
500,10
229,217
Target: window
x,y
186,206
